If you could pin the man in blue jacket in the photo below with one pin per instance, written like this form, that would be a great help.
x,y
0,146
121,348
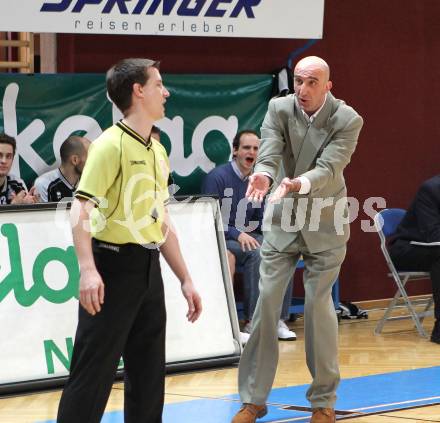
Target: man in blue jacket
x,y
242,223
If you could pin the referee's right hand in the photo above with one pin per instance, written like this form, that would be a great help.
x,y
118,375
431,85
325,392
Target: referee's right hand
x,y
91,291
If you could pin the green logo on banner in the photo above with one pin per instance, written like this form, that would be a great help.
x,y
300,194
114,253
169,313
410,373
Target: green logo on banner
x,y
51,350
14,280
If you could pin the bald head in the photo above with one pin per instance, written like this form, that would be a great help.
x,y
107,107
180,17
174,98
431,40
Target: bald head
x,y
73,152
314,63
74,145
311,83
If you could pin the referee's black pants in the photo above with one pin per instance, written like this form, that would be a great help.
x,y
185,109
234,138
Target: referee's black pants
x,y
131,324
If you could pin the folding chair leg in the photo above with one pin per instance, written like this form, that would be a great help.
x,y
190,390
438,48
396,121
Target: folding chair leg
x,y
428,306
401,293
415,317
387,313
411,309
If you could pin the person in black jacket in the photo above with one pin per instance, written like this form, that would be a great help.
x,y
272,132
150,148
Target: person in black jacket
x,y
60,183
421,223
13,190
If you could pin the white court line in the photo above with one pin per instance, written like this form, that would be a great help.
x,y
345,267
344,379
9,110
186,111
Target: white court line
x,y
297,419
294,419
395,403
286,406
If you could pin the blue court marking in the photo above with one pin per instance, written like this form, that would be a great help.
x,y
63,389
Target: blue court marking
x,y
372,391
383,392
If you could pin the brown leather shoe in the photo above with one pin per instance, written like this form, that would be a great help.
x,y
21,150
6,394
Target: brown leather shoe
x,y
323,415
249,413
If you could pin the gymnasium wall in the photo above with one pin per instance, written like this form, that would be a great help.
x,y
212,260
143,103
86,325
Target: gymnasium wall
x,y
384,58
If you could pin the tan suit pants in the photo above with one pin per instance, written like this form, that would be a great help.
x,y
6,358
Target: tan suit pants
x,y
260,357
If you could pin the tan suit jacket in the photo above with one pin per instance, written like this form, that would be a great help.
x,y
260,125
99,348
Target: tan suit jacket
x,y
292,147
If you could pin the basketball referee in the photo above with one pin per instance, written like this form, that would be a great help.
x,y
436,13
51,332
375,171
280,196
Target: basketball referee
x,y
123,194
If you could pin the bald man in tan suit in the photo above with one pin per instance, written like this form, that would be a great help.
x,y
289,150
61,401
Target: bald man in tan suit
x,y
307,141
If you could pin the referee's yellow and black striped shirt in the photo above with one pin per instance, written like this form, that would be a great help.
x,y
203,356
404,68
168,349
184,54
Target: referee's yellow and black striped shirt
x,y
126,177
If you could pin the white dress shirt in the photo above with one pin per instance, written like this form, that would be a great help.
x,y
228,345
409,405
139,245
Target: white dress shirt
x,y
305,182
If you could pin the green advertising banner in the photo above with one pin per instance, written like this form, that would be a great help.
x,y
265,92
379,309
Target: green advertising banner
x,y
39,278
203,114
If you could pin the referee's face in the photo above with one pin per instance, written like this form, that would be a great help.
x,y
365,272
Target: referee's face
x,y
155,95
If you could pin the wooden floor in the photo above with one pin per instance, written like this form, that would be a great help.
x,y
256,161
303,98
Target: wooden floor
x,y
361,353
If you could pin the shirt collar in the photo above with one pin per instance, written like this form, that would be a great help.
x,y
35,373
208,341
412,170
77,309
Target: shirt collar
x,y
66,182
238,171
125,128
315,115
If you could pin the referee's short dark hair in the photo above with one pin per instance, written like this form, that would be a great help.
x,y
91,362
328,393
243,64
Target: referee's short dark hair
x,y
6,139
236,141
72,145
121,77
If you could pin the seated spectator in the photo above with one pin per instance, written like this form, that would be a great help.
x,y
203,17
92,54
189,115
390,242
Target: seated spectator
x,y
12,189
230,180
61,182
422,224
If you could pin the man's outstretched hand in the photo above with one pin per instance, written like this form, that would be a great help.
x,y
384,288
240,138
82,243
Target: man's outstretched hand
x,y
287,185
258,187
